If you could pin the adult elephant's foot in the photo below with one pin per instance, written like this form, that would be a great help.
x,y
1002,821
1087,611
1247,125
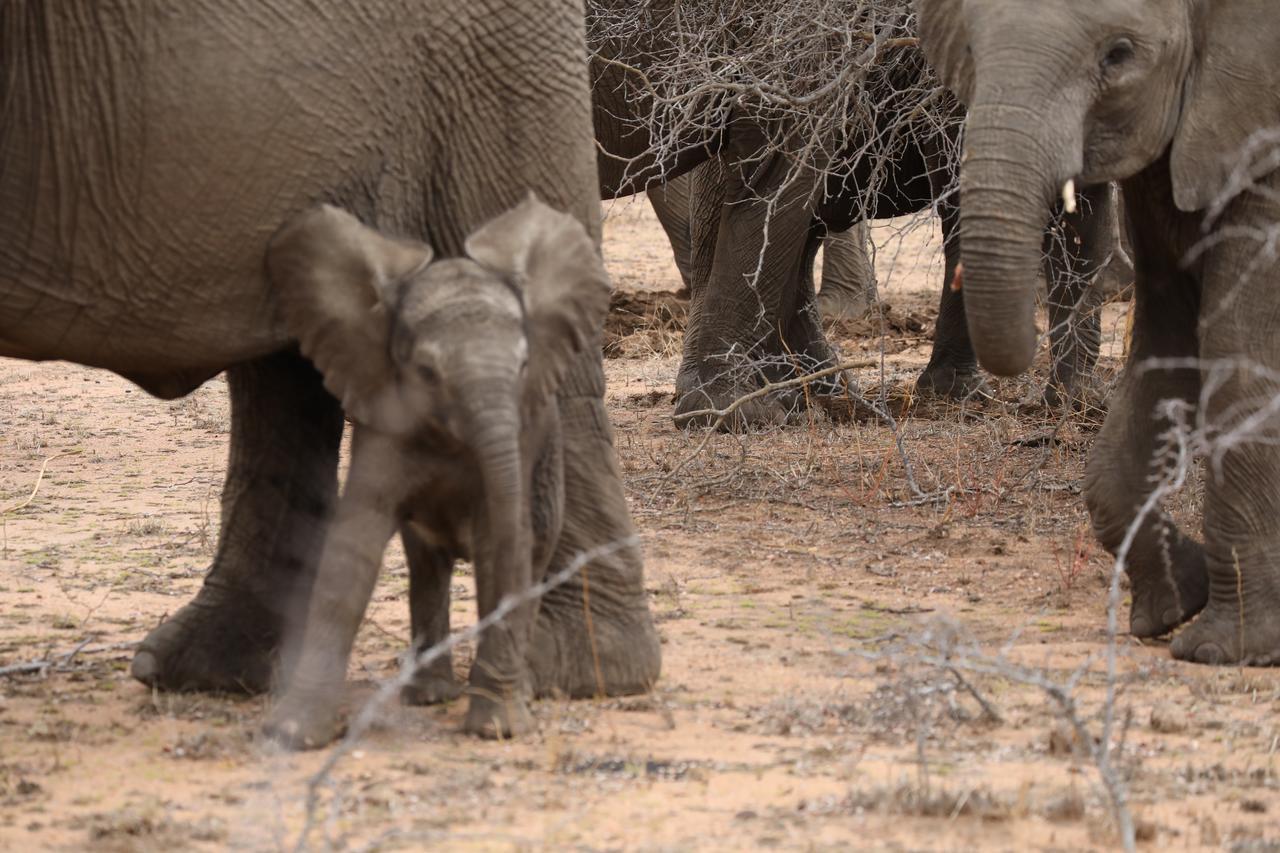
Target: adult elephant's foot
x,y
432,684
494,717
950,379
304,720
616,653
1169,598
1226,633
218,642
699,400
282,481
1239,624
697,408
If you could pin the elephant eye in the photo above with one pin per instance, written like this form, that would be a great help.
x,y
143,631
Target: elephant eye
x,y
1120,52
428,374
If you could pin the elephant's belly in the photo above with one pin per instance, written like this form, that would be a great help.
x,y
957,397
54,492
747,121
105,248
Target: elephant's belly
x,y
133,316
143,170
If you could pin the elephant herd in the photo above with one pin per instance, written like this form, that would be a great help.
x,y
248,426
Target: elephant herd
x,y
389,212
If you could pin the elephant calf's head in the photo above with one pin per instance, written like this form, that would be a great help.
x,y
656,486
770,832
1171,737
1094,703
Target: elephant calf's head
x,y
409,343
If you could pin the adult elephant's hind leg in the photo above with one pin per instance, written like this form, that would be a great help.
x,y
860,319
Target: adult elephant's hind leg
x,y
1166,569
279,493
594,634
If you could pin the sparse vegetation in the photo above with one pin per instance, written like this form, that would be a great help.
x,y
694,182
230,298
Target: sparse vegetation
x,y
846,663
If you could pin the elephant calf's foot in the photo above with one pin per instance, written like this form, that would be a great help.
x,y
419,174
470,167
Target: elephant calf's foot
x,y
496,717
432,685
225,647
1226,634
304,721
949,380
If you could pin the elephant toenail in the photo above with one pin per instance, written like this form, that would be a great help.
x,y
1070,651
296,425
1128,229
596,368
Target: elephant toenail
x,y
145,667
1210,653
1140,626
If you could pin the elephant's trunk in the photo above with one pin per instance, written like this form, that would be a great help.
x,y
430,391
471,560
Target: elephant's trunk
x,y
502,544
1008,183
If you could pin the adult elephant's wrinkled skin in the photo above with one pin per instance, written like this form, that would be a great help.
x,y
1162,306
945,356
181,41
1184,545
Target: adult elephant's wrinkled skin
x,y
149,149
756,222
1171,98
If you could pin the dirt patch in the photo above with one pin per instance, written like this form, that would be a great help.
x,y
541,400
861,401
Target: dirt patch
x,y
645,324
801,579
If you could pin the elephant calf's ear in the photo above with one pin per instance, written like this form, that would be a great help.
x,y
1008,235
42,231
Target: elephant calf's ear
x,y
330,275
566,288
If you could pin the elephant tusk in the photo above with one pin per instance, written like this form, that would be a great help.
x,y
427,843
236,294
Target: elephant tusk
x,y
1069,196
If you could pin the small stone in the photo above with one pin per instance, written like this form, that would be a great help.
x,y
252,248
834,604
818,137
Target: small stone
x,y
1169,719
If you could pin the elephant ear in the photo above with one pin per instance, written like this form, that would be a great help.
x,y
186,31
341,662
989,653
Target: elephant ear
x,y
945,41
1232,91
550,256
335,281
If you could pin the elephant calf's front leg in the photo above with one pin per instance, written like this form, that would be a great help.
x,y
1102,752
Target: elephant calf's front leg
x,y
307,715
499,685
430,573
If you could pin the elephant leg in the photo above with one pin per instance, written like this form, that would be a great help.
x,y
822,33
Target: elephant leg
x,y
952,370
430,575
279,493
594,634
1166,570
736,330
670,203
1077,246
1241,358
1118,273
808,348
498,688
848,275
306,717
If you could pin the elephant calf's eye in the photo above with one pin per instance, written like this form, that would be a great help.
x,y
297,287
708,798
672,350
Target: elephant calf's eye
x,y
428,373
1120,52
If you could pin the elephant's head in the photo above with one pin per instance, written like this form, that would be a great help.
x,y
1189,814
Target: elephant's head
x,y
409,343
1087,91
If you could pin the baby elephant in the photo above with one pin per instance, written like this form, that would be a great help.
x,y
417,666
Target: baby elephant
x,y
448,369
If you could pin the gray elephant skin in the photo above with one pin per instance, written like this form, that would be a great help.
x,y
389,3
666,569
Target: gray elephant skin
x,y
848,288
450,380
149,149
741,192
1163,96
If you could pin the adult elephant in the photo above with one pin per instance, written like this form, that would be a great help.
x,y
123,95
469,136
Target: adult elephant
x,y
758,218
148,151
1170,98
848,288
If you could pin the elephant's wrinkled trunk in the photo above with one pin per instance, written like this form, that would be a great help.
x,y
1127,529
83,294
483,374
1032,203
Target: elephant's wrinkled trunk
x,y
502,538
1007,186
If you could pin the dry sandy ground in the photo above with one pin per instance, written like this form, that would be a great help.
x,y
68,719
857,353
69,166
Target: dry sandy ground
x,y
800,586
